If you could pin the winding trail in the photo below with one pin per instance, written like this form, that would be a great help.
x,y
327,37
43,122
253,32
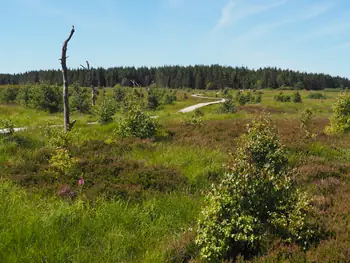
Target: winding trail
x,y
185,110
203,104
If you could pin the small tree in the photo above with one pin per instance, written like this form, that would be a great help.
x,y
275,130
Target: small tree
x,y
296,97
228,106
305,123
119,94
106,110
137,124
80,99
340,121
257,199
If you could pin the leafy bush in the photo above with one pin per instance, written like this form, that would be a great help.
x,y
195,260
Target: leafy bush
x,y
227,107
106,110
169,98
57,138
340,121
137,124
296,97
282,98
316,96
23,96
258,199
9,94
62,162
46,97
119,94
80,99
152,101
248,97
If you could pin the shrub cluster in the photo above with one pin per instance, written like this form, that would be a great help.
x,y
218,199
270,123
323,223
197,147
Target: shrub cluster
x,y
248,97
282,97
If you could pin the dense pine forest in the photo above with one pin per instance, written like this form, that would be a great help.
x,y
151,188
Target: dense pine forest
x,y
195,77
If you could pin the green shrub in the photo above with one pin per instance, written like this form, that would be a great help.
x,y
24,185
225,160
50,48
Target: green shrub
x,y
340,120
137,124
152,101
23,96
169,98
46,97
80,99
296,97
106,110
119,94
8,95
316,96
282,98
258,199
248,97
227,107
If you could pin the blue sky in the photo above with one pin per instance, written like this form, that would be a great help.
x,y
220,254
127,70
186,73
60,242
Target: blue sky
x,y
305,35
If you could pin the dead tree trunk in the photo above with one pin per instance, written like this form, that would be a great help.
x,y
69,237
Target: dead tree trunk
x,y
91,82
67,124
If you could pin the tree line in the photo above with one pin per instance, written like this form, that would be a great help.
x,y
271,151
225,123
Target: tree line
x,y
194,77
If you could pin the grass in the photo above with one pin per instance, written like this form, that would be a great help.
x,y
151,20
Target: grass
x,y
37,229
141,198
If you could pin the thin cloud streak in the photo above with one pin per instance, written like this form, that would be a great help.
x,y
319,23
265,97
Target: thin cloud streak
x,y
230,13
260,30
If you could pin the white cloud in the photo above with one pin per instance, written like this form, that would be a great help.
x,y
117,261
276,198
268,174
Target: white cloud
x,y
232,11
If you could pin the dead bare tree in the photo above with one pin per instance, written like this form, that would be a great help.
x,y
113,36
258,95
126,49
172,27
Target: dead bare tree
x,y
91,82
67,124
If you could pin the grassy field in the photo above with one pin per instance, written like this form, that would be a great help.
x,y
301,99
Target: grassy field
x,y
141,198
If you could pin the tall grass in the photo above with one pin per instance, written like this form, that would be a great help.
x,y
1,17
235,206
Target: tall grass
x,y
37,229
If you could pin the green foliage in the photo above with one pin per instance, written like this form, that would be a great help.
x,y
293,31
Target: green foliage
x,y
248,97
152,101
106,110
56,137
7,124
340,120
306,122
227,107
282,97
62,162
169,97
195,118
46,97
80,99
299,85
316,96
296,97
23,96
119,94
137,124
9,94
256,200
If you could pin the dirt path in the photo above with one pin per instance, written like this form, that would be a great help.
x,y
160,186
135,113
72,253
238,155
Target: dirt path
x,y
203,104
185,110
